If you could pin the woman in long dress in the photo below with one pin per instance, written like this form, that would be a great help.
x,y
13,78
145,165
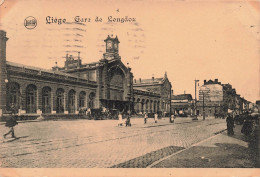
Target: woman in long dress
x,y
120,120
230,124
155,117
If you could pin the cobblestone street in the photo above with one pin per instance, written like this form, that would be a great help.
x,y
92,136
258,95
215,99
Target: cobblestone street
x,y
89,143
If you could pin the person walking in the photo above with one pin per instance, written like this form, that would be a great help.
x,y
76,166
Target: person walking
x,y
11,122
128,122
172,118
155,117
120,119
145,118
230,124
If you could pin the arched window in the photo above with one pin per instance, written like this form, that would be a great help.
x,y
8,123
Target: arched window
x,y
82,99
31,99
142,106
60,101
147,106
13,95
137,107
71,98
91,100
46,100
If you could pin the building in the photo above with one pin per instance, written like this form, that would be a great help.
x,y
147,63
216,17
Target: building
x,y
152,95
215,99
65,90
182,104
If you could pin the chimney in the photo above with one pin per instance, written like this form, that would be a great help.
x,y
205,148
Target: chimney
x,y
216,80
172,92
153,77
135,80
140,80
67,56
3,74
205,82
184,91
78,55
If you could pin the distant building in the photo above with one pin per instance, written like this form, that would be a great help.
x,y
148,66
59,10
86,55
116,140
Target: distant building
x,y
216,99
158,99
182,103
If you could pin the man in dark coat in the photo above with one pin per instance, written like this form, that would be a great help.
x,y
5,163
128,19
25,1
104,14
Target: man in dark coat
x,y
230,124
247,127
11,122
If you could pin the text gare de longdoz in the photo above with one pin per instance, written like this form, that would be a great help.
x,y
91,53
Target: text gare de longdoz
x,y
78,19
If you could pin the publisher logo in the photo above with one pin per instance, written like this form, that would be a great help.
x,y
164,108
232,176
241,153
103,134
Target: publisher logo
x,y
30,22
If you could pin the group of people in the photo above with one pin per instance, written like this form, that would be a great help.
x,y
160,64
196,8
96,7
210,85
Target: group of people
x,y
156,118
247,127
127,121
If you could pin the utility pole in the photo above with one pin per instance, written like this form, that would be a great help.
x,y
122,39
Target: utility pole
x,y
203,107
195,104
171,103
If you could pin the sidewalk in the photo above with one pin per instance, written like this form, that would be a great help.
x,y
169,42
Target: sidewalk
x,y
219,151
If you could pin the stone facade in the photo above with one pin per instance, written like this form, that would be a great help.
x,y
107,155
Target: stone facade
x,y
65,90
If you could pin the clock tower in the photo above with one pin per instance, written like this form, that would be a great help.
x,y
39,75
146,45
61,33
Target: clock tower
x,y
111,48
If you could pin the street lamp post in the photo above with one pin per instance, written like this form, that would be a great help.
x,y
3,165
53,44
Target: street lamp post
x,y
195,103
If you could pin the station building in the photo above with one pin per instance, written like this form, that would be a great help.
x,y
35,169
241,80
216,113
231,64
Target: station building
x,y
107,83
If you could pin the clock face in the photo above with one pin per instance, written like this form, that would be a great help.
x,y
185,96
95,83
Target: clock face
x,y
109,44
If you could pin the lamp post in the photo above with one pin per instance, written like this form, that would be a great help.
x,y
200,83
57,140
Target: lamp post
x,y
195,103
170,104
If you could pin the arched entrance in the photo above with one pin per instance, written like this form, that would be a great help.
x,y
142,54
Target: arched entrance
x,y
46,100
91,100
13,95
31,98
117,87
71,99
60,101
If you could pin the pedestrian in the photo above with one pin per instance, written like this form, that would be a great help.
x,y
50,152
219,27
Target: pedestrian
x,y
247,127
120,120
172,118
155,117
11,122
128,122
145,118
89,113
230,124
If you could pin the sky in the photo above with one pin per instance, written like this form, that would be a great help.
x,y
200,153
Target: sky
x,y
187,39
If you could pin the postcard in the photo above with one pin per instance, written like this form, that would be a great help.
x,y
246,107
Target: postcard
x,y
129,88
